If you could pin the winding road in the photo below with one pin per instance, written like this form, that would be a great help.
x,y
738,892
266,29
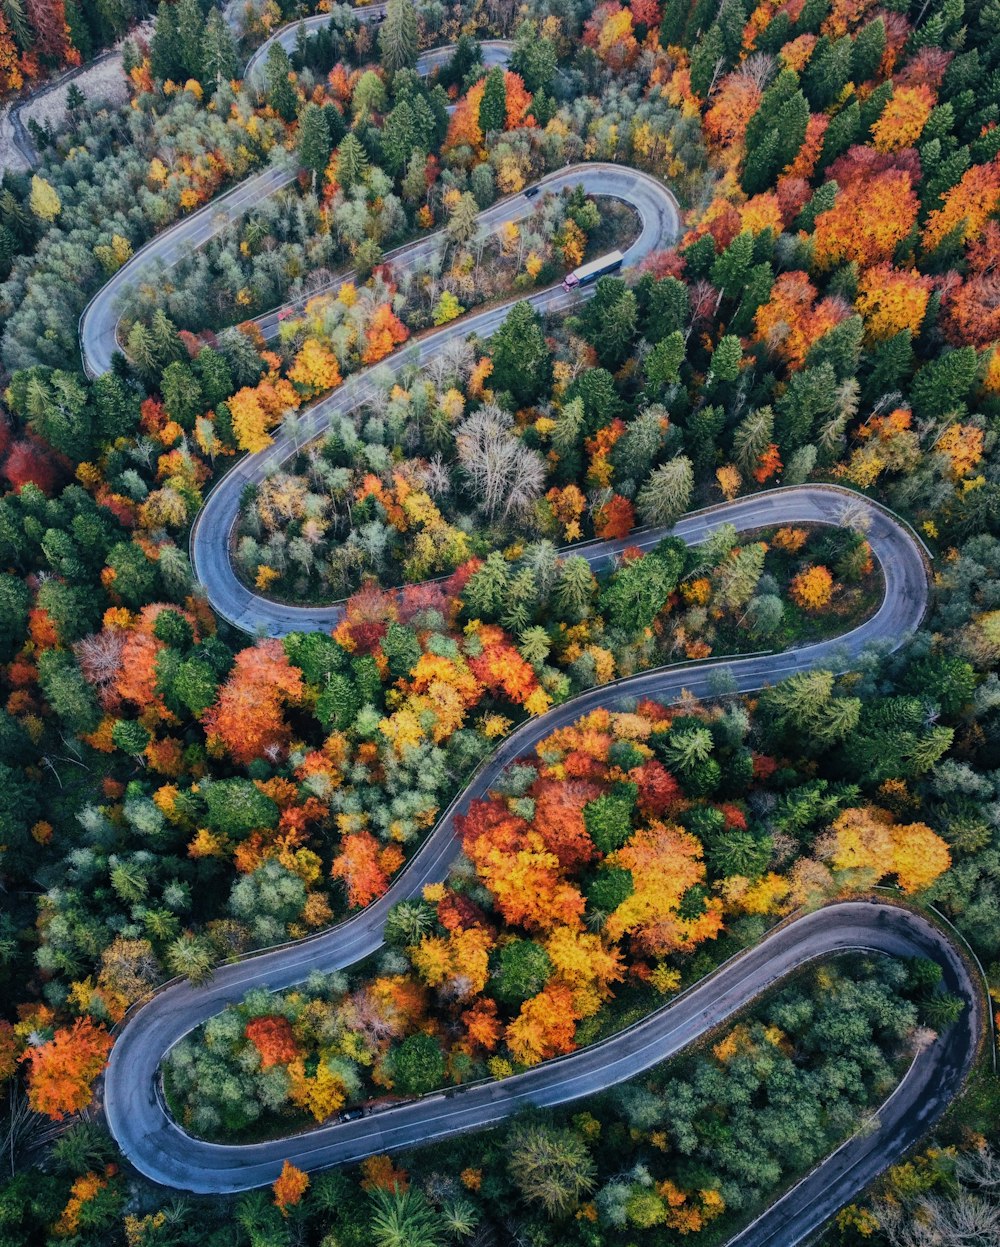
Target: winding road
x,y
98,330
133,1105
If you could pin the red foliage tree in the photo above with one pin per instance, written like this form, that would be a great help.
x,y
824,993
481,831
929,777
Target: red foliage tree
x,y
52,41
273,1038
614,519
559,819
658,790
646,13
971,311
367,615
28,461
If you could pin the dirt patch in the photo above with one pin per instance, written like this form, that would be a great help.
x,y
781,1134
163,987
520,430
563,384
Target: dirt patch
x,y
102,82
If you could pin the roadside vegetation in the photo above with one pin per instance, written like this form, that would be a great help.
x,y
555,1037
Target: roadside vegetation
x,y
173,794
615,864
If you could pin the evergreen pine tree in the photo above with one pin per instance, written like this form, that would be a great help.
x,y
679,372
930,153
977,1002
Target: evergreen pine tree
x,y
398,138
889,363
667,493
397,36
164,47
843,130
219,61
872,108
352,163
941,386
707,61
334,123
279,92
675,14
493,106
828,71
730,270
189,37
869,46
314,141
756,290
463,222
522,361
751,438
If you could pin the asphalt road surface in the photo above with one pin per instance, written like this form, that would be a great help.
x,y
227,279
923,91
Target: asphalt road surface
x,y
133,1104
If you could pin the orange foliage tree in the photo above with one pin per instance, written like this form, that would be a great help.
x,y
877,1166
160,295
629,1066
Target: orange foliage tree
x,y
665,861
544,1027
11,78
962,444
247,717
289,1187
315,368
870,218
518,101
735,101
609,31
812,588
463,129
903,118
364,867
891,299
273,1038
971,309
792,319
61,1071
250,421
967,206
384,333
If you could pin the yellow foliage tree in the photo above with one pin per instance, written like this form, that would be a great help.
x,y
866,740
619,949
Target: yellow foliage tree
x,y
249,421
812,588
45,202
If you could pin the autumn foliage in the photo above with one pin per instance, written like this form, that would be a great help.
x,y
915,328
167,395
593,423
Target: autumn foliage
x,y
289,1187
385,332
273,1038
870,841
62,1070
812,588
873,213
248,717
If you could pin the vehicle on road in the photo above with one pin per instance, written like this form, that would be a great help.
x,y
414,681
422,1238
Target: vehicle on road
x,y
587,273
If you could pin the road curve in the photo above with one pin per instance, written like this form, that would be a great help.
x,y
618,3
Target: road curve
x,y
213,527
98,329
136,1114
163,1152
159,1148
287,36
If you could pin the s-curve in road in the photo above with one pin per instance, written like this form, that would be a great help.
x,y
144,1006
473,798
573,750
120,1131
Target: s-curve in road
x,y
213,528
160,1149
134,1106
99,322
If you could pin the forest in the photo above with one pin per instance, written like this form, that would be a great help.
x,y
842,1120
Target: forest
x,y
176,793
